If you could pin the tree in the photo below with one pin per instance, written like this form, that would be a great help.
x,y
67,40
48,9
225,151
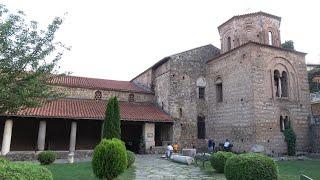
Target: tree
x,y
288,45
28,59
314,86
112,124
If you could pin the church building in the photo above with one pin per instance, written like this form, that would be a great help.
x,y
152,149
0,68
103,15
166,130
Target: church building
x,y
248,91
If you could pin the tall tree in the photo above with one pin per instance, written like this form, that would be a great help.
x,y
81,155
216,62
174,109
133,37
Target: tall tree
x,y
112,124
28,59
288,45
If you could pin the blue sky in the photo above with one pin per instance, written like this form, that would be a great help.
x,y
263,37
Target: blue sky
x,y
120,39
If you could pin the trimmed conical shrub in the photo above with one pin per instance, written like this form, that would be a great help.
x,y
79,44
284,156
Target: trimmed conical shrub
x,y
112,124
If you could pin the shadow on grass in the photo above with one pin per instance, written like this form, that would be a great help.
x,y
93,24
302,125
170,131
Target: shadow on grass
x,y
210,171
82,171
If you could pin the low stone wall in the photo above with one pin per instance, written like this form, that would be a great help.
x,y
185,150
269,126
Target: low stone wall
x,y
315,138
32,156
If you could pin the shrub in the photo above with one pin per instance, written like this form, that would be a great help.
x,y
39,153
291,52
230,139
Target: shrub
x,y
47,157
130,157
25,171
109,159
251,166
112,123
290,138
218,160
3,160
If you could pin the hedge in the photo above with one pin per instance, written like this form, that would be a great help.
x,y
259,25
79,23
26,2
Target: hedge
x,y
130,158
218,160
24,171
47,157
109,159
251,166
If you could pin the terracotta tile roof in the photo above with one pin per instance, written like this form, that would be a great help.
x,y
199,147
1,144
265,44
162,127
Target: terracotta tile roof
x,y
92,109
94,83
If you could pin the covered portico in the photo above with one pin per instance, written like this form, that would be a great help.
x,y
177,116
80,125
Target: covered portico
x,y
73,124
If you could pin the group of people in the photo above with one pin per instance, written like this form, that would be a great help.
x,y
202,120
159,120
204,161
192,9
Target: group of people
x,y
226,145
211,144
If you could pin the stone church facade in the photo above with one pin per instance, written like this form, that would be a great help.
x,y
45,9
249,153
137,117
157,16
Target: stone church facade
x,y
248,91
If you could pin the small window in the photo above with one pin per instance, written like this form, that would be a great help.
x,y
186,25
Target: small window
x,y
131,98
219,92
281,124
201,127
97,95
284,123
270,38
284,84
277,83
229,43
201,92
180,112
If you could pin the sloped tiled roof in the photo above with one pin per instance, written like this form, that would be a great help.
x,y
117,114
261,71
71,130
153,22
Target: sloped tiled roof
x,y
94,83
92,109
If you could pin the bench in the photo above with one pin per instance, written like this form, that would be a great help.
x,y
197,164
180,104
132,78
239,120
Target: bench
x,y
203,157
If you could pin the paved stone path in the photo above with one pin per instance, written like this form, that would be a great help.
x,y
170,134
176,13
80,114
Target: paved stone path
x,y
153,167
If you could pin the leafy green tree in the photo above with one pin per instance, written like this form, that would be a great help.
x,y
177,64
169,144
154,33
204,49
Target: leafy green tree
x,y
112,124
314,86
28,59
288,45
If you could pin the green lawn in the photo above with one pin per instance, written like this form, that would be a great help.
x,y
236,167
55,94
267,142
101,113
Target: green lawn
x,y
288,170
292,169
81,171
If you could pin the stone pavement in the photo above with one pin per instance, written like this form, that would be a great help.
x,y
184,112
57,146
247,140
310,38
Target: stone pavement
x,y
153,167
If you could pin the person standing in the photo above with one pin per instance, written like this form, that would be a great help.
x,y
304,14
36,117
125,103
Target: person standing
x,y
210,145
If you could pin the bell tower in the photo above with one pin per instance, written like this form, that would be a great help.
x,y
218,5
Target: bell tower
x,y
258,27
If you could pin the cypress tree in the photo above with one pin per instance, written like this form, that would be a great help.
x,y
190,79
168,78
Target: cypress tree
x,y
111,125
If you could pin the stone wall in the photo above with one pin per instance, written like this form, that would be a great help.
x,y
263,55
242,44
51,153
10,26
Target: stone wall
x,y
269,108
233,118
315,138
184,105
144,80
32,155
82,93
250,111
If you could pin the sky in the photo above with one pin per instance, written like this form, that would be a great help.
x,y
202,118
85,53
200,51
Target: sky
x,y
119,39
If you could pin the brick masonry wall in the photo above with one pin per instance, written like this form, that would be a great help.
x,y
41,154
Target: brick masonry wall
x,y
268,108
81,93
233,118
250,112
144,80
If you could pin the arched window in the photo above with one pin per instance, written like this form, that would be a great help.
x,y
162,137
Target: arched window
x,y
281,83
219,90
97,95
284,123
277,82
270,38
201,127
284,84
229,43
131,98
201,83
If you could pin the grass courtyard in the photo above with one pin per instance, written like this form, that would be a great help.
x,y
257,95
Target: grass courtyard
x,y
288,170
